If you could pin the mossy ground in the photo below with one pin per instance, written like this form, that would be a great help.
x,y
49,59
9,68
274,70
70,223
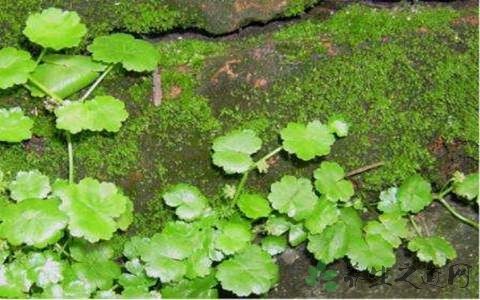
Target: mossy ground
x,y
405,79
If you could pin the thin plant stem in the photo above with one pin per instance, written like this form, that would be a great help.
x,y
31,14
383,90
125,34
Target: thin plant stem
x,y
364,169
415,226
270,154
40,56
46,90
62,250
456,213
240,187
70,157
96,83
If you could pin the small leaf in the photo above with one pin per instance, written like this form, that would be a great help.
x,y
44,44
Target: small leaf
x,y
44,268
274,244
277,225
321,265
293,196
311,281
15,67
92,207
313,271
338,125
331,183
371,253
329,274
31,184
232,151
308,141
54,28
254,206
324,214
250,272
330,286
233,236
100,113
432,249
33,222
14,125
198,288
389,202
296,235
414,194
189,201
134,54
64,75
468,187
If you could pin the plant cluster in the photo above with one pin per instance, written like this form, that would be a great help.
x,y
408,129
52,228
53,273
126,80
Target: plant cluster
x,y
54,237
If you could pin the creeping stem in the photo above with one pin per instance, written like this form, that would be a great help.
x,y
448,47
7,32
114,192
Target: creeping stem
x,y
70,157
456,213
415,226
364,169
243,181
39,58
96,83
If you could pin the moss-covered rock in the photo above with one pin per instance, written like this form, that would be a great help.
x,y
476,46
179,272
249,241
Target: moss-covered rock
x,y
151,16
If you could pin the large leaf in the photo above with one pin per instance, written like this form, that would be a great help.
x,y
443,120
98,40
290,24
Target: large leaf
x,y
100,113
54,28
33,222
432,249
232,151
371,253
414,194
391,228
233,236
250,272
324,214
13,281
14,125
308,141
467,186
44,268
92,208
199,288
254,206
332,243
15,67
189,201
95,264
329,180
65,75
293,196
31,184
133,54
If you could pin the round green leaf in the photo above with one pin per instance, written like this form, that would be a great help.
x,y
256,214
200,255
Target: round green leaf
x,y
55,28
331,183
44,268
432,249
308,141
135,246
232,151
330,244
233,236
100,113
250,272
133,54
389,201
92,208
392,228
296,235
274,244
467,187
189,201
31,184
324,214
14,125
198,288
293,196
371,253
414,194
15,67
33,222
254,206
